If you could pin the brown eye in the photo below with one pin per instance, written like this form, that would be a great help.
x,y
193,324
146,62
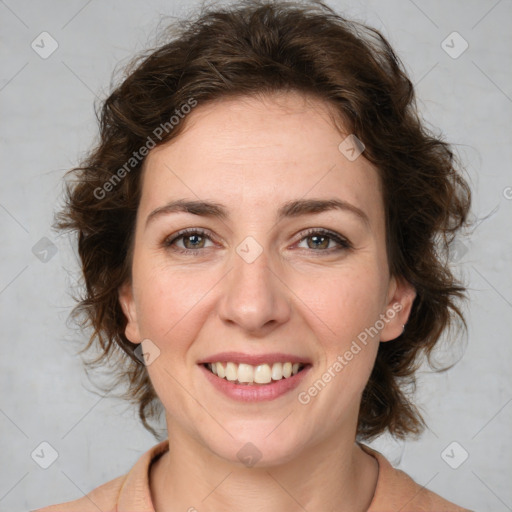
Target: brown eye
x,y
319,241
195,241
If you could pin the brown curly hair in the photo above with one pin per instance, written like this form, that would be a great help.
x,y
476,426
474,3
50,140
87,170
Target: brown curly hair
x,y
255,47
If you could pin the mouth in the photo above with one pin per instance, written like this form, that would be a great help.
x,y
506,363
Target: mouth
x,y
263,374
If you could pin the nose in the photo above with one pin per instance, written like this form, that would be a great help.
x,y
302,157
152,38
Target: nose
x,y
254,296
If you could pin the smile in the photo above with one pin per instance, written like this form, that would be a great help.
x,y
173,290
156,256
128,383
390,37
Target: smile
x,y
254,374
255,377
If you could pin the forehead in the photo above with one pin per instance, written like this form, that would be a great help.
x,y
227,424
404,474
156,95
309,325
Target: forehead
x,y
259,151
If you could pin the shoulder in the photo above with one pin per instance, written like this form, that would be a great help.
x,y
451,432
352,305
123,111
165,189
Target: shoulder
x,y
104,497
397,491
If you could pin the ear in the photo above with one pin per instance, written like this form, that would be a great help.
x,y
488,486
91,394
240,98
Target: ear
x,y
401,295
127,302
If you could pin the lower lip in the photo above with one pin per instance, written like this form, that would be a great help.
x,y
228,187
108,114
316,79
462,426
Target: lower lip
x,y
255,392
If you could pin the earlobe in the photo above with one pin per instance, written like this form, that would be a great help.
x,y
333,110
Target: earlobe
x,y
127,302
398,309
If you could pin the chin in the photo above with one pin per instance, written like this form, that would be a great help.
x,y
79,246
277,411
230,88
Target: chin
x,y
258,447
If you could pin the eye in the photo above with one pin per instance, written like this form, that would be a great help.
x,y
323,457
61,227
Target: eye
x,y
193,240
321,238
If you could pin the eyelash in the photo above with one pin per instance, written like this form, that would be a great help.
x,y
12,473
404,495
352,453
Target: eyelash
x,y
343,243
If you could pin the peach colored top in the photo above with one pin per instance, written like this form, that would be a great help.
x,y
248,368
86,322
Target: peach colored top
x,y
395,491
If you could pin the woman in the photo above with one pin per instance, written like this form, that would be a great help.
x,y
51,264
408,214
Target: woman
x,y
261,230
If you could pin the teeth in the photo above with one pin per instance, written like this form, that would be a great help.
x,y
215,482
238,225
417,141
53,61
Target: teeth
x,y
262,374
231,371
247,374
277,371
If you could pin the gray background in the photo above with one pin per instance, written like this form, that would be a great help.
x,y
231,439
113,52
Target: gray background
x,y
47,125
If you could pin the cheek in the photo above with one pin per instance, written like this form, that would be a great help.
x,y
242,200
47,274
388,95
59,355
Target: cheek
x,y
167,300
342,303
342,309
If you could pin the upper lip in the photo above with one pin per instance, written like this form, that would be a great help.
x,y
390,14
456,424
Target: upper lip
x,y
253,359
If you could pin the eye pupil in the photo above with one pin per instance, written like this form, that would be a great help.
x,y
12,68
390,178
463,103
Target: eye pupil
x,y
317,237
189,237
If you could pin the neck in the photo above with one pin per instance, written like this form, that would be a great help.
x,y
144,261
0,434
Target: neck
x,y
326,476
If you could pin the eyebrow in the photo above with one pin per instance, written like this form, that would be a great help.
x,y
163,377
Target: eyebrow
x,y
289,209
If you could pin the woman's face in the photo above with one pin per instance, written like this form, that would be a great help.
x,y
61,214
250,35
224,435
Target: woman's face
x,y
280,277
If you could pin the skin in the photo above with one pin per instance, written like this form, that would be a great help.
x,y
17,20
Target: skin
x,y
299,296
